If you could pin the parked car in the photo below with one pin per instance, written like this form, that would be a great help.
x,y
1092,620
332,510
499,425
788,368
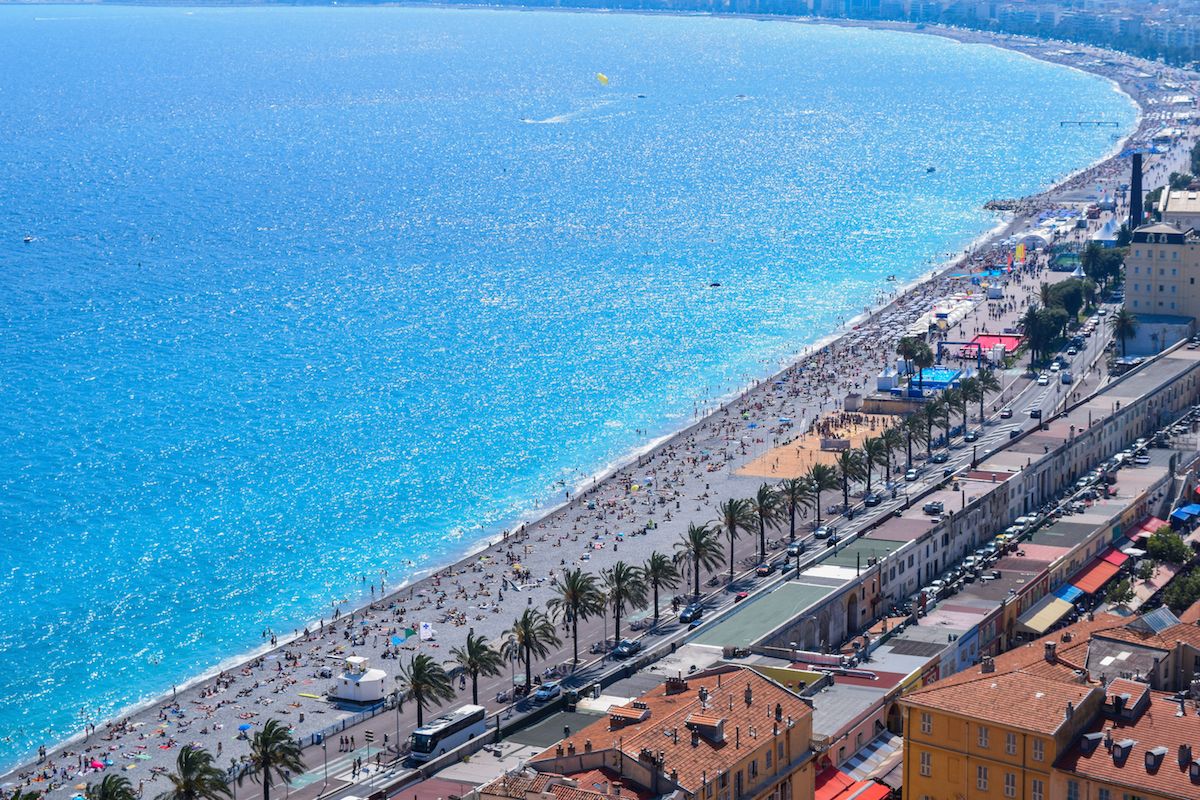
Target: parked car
x,y
626,648
934,507
823,532
693,612
1035,413
1043,380
940,458
547,691
971,436
911,475
1055,367
1072,352
740,596
1006,413
795,548
1141,460
764,569
873,499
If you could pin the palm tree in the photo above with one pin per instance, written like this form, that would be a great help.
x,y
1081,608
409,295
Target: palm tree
x,y
427,683
953,399
893,439
821,478
969,389
477,657
988,383
274,756
1031,324
767,506
577,599
931,413
850,467
795,493
660,572
736,517
906,348
626,585
1124,324
698,548
875,454
532,635
914,431
922,360
195,777
112,787
1047,295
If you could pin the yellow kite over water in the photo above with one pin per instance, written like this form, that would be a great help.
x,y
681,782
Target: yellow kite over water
x,y
600,76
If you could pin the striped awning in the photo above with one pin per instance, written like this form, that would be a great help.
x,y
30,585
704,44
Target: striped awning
x,y
1044,613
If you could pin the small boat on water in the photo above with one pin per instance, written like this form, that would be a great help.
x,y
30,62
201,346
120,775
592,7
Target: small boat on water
x,y
28,240
930,169
715,285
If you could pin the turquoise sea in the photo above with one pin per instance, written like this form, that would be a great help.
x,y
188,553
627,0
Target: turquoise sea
x,y
313,291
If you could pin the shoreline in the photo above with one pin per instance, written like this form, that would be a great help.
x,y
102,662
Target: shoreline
x,y
1007,223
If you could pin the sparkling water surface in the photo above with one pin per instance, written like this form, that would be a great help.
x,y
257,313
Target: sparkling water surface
x,y
314,291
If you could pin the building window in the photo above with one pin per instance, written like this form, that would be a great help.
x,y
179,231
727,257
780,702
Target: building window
x,y
981,778
1010,784
983,736
754,769
926,764
926,722
1037,790
1072,790
1103,794
769,754
1010,743
1039,750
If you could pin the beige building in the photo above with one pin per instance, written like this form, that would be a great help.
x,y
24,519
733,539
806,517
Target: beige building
x,y
1161,289
1181,208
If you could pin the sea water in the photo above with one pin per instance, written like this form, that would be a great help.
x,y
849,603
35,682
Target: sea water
x,y
314,293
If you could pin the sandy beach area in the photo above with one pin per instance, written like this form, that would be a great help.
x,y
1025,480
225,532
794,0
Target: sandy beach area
x,y
642,506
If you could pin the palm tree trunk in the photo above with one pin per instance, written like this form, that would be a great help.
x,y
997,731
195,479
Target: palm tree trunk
x,y
845,493
528,669
266,779
655,602
791,522
818,508
574,638
868,476
475,688
420,708
617,622
696,572
731,558
762,540
908,444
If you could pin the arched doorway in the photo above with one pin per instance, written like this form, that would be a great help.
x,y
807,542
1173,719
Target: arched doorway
x,y
852,614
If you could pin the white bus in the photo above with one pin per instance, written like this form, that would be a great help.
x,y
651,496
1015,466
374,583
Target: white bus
x,y
447,732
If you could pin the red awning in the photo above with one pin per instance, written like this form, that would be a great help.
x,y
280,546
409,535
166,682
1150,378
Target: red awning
x,y
1091,578
1114,556
833,784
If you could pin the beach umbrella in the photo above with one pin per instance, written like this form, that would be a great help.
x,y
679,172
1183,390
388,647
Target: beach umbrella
x,y
96,764
245,726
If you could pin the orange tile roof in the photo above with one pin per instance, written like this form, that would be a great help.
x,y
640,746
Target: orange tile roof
x,y
1158,726
1013,699
1192,614
1135,689
628,712
666,728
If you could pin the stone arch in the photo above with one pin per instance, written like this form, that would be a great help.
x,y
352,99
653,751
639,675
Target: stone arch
x,y
811,636
852,614
826,644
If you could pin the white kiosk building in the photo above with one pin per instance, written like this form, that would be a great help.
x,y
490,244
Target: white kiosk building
x,y
359,683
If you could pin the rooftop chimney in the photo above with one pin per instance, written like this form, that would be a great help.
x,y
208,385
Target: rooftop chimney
x,y
987,665
1135,193
778,712
749,694
1049,651
1185,754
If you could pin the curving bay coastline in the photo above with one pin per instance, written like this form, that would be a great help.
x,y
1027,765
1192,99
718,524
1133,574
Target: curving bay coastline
x,y
535,540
